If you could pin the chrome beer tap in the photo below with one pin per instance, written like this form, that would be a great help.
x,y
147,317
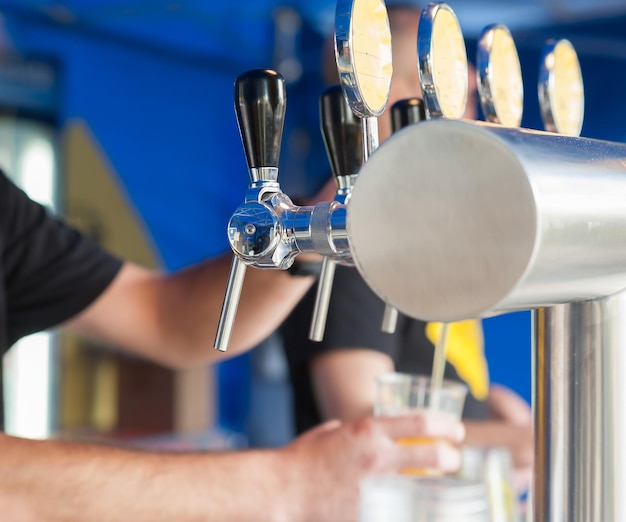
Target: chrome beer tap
x,y
268,230
343,136
253,231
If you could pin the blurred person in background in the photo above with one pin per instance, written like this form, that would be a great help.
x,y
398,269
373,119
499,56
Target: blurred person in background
x,y
335,379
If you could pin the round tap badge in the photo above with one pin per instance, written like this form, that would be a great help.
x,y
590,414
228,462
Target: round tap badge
x,y
499,73
442,62
363,52
561,91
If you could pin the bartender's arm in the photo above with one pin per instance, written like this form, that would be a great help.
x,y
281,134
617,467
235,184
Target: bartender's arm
x,y
172,319
313,479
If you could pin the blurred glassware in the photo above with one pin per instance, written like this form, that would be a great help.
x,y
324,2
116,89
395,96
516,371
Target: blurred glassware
x,y
494,466
402,498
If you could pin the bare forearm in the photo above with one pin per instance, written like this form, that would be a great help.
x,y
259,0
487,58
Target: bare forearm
x,y
173,319
313,479
56,481
196,296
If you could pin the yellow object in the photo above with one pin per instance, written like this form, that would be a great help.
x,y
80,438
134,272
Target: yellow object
x,y
465,351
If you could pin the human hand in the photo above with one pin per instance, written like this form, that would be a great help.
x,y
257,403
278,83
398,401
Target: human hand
x,y
328,461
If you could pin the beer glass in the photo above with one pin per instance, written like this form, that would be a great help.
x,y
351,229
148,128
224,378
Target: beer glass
x,y
406,394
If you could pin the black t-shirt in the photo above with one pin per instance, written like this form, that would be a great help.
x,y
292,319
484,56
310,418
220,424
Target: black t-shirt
x,y
354,319
48,271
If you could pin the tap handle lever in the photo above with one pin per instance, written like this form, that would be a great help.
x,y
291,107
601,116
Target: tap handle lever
x,y
230,304
260,102
407,112
343,135
342,131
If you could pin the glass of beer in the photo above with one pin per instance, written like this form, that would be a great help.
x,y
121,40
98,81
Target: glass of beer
x,y
406,394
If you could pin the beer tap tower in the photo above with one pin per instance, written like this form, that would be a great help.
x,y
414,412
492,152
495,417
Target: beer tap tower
x,y
504,219
451,220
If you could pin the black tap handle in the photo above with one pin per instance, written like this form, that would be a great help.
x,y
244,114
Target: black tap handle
x,y
260,102
406,112
342,131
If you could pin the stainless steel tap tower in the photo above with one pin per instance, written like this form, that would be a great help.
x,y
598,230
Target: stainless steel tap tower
x,y
450,220
512,220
